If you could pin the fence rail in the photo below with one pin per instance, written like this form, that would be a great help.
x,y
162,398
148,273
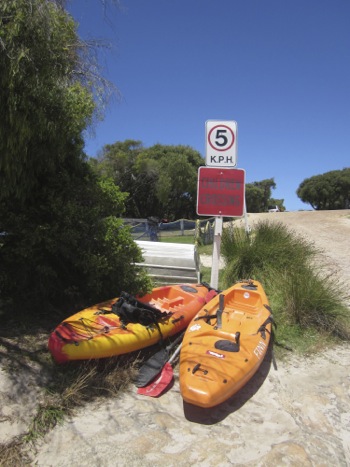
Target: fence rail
x,y
144,229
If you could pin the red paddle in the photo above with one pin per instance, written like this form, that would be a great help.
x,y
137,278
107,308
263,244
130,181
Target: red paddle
x,y
159,385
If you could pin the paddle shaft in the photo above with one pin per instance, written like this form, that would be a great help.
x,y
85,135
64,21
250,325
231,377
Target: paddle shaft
x,y
175,354
176,341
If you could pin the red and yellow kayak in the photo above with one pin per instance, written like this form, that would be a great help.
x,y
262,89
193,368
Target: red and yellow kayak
x,y
225,344
98,332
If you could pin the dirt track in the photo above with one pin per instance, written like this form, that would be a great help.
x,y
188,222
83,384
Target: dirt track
x,y
295,415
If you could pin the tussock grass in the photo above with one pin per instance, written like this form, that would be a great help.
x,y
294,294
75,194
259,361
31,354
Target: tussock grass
x,y
313,299
76,383
308,303
270,247
46,418
13,454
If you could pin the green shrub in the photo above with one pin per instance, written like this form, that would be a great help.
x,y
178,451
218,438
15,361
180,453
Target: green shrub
x,y
67,247
302,295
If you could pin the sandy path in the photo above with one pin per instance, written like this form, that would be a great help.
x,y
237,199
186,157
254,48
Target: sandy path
x,y
297,414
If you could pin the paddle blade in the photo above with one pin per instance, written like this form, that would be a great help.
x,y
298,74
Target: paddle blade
x,y
160,384
151,368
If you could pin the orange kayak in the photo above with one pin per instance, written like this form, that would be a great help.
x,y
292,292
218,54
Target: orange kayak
x,y
225,344
125,324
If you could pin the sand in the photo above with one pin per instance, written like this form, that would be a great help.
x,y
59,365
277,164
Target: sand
x,y
294,412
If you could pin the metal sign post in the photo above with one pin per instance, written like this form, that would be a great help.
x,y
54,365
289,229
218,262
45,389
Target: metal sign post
x,y
214,279
247,226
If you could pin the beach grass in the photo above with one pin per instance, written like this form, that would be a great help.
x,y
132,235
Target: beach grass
x,y
306,299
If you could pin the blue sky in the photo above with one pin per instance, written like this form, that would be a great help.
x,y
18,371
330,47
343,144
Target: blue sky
x,y
279,68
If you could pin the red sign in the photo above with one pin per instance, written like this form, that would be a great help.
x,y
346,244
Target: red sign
x,y
220,192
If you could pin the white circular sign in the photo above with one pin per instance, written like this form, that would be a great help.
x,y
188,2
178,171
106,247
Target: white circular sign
x,y
221,138
221,143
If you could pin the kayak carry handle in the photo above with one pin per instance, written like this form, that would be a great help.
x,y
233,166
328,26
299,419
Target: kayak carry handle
x,y
198,367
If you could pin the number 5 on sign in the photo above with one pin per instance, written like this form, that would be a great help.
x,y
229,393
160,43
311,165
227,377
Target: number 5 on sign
x,y
221,143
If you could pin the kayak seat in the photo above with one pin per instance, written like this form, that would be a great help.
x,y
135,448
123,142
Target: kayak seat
x,y
242,299
167,303
176,302
228,346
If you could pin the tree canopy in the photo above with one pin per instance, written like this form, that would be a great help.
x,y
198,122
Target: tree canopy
x,y
44,106
62,240
258,196
330,190
161,181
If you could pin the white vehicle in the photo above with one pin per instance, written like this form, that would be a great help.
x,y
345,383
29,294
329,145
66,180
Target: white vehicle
x,y
273,209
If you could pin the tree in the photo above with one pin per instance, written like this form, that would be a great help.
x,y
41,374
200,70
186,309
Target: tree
x,y
133,174
176,190
63,242
330,190
258,196
44,108
160,180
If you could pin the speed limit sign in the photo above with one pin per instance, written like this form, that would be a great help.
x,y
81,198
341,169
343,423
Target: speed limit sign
x,y
221,143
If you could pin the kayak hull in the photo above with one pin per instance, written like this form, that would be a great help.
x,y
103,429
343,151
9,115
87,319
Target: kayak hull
x,y
219,358
97,332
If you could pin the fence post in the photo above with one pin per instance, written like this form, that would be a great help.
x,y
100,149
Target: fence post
x,y
197,232
182,227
